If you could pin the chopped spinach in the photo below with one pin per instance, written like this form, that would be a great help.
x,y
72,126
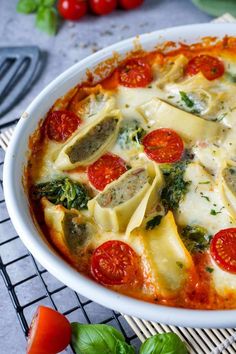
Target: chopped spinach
x,y
230,76
175,185
185,98
130,134
152,223
209,270
62,191
195,238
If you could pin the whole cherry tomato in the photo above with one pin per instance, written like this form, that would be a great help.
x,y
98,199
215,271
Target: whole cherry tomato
x,y
103,7
130,4
49,333
72,9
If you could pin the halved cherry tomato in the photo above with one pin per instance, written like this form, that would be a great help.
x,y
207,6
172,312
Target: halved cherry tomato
x,y
72,9
49,333
103,7
211,67
111,82
61,124
163,145
106,169
130,4
223,249
114,263
135,73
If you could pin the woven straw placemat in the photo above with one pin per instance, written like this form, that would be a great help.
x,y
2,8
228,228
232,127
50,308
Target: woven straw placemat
x,y
199,341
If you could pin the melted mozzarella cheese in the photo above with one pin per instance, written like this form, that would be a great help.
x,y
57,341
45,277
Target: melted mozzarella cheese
x,y
224,282
202,205
128,99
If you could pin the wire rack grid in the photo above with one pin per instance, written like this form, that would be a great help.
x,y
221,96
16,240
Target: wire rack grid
x,y
29,284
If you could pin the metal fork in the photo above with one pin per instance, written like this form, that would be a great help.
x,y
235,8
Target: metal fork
x,y
5,138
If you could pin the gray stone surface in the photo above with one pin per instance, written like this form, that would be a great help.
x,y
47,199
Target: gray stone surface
x,y
74,42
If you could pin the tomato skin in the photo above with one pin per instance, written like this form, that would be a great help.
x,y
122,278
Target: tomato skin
x,y
163,145
223,249
135,73
50,332
211,67
114,263
106,169
61,124
72,10
130,4
103,7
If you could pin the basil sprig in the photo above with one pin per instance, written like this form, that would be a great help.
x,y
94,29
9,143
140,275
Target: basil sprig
x,y
104,339
98,338
47,17
164,343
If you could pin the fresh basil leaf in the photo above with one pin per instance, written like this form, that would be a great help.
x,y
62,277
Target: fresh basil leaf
x,y
216,7
98,338
165,343
47,19
47,3
26,6
123,348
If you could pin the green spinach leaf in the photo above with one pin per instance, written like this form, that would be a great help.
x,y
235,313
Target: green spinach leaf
x,y
62,191
165,343
175,185
130,134
196,238
152,223
98,338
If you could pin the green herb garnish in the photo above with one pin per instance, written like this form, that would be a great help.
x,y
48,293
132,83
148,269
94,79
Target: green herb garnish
x,y
62,191
209,270
195,238
204,196
130,134
175,185
214,212
185,98
155,221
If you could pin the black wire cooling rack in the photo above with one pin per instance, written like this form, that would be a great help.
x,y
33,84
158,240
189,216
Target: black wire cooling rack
x,y
29,284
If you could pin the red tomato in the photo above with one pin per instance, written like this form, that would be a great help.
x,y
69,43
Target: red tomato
x,y
72,9
114,263
61,124
223,249
49,333
130,4
103,7
212,68
105,170
135,73
163,145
